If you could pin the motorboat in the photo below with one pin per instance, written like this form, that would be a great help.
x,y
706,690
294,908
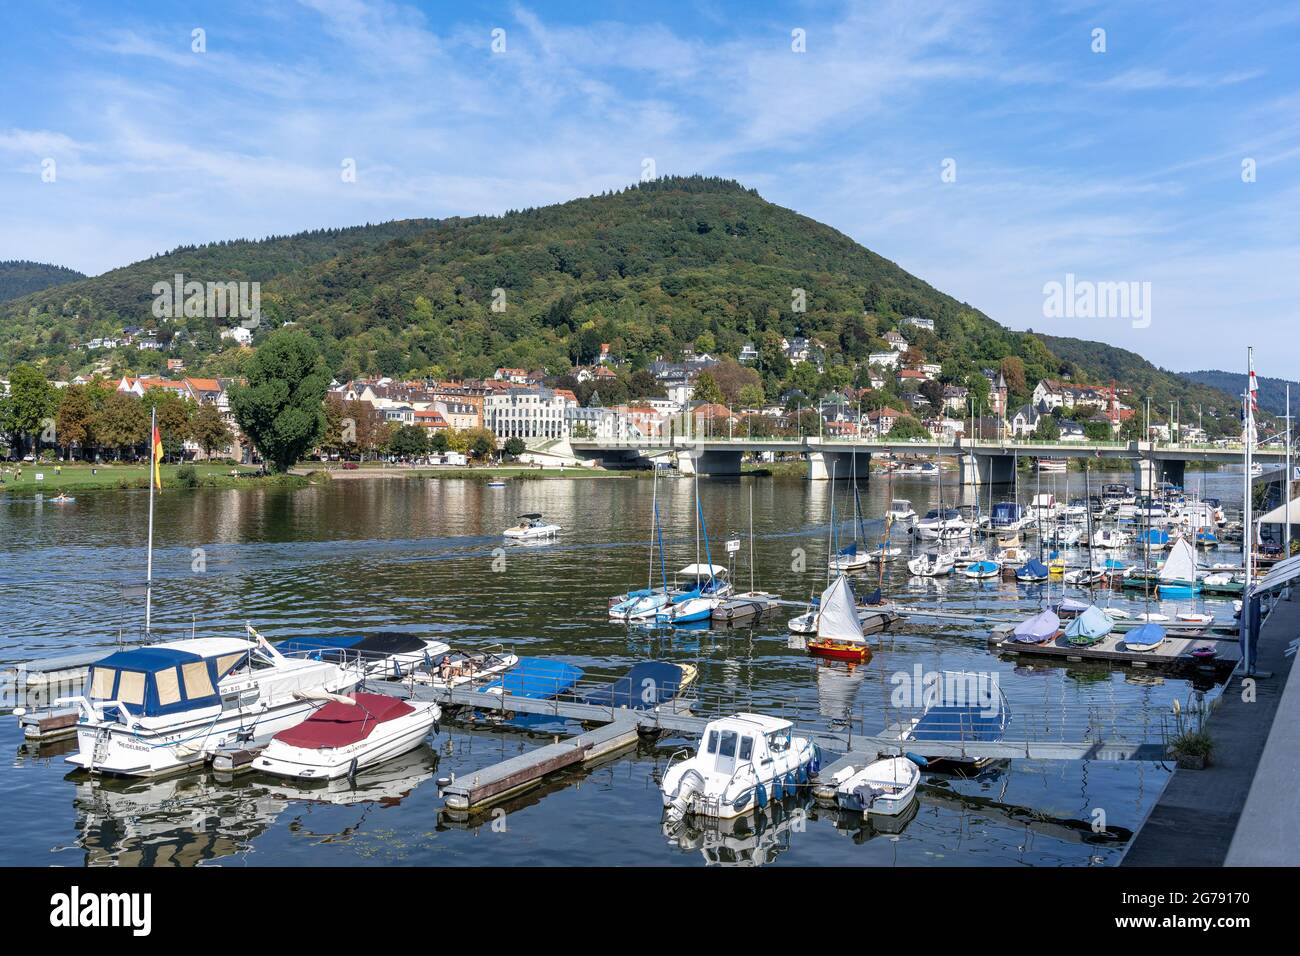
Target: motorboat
x,y
983,569
1153,539
1089,627
744,762
839,629
531,527
1109,539
932,565
348,734
1009,516
745,606
164,707
942,524
1206,538
1065,535
967,555
458,669
900,509
1039,629
1014,555
1083,577
1146,637
384,654
884,787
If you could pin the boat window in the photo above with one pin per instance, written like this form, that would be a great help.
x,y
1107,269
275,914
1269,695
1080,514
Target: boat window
x,y
713,741
746,747
169,686
101,683
727,747
226,663
130,689
257,661
778,741
197,683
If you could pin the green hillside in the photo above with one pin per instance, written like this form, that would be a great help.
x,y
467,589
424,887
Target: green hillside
x,y
1272,391
19,277
651,270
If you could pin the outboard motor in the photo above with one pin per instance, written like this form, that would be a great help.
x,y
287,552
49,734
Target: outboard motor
x,y
679,804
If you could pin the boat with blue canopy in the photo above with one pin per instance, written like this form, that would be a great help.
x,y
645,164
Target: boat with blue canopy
x,y
982,569
535,678
1145,637
1033,572
968,709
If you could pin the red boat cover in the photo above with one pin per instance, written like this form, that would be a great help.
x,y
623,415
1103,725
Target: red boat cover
x,y
337,725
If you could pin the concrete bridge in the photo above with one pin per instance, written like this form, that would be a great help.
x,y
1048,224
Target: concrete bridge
x,y
979,463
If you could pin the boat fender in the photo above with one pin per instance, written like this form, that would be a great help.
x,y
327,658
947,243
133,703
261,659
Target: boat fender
x,y
760,796
777,791
352,771
917,759
739,803
437,727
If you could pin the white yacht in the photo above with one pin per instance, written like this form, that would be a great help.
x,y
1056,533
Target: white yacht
x,y
942,524
163,707
531,527
900,509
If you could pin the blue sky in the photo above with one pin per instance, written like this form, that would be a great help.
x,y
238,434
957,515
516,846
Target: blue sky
x,y
1115,166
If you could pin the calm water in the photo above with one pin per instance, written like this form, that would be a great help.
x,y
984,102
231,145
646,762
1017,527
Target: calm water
x,y
422,556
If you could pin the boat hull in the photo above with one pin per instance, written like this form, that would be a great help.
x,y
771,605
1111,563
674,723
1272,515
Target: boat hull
x,y
840,651
391,739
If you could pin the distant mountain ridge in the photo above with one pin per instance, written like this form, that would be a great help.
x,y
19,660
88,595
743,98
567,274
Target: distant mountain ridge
x,y
19,277
1272,391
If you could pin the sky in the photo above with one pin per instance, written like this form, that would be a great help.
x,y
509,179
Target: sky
x,y
992,149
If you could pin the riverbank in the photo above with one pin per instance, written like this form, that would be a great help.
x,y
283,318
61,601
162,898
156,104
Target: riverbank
x,y
72,478
483,473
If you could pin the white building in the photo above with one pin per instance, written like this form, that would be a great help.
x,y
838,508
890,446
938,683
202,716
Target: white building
x,y
920,323
525,413
239,335
884,359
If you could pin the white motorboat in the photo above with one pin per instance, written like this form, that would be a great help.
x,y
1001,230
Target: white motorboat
x,y
967,555
1110,539
744,762
931,565
531,527
388,655
164,707
885,787
455,670
348,734
942,524
900,509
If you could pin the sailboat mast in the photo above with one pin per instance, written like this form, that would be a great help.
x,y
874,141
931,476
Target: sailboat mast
x,y
148,586
751,539
831,558
1247,504
697,531
654,510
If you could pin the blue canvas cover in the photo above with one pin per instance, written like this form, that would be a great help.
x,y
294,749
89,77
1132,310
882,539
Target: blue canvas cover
x,y
960,722
302,646
1154,536
1148,635
644,686
1005,513
149,661
537,678
1034,569
1037,629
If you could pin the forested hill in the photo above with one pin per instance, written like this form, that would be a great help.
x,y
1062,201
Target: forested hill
x,y
1272,391
19,277
652,269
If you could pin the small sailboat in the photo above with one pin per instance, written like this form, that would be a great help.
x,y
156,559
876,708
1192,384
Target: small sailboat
x,y
349,733
1146,637
698,606
839,629
1039,629
884,787
1178,573
980,570
750,604
1033,572
744,762
1089,627
532,527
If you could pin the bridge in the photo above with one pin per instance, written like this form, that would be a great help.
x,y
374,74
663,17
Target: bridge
x,y
980,462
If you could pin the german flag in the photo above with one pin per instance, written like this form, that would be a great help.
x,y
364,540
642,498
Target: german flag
x,y
157,458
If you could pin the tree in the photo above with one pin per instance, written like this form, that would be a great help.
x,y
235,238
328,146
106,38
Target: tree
x,y
409,441
174,417
1013,370
481,442
438,441
281,408
74,424
732,378
515,447
121,423
751,396
706,389
210,430
30,407
1048,429
908,427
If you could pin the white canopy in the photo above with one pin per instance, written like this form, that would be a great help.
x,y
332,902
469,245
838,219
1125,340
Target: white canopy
x,y
1181,563
1281,574
1278,514
838,619
702,570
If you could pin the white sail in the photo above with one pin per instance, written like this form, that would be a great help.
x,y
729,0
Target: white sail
x,y
1181,563
838,618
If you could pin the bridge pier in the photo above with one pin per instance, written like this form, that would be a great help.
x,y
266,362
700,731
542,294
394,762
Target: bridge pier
x,y
719,463
977,469
821,464
1148,472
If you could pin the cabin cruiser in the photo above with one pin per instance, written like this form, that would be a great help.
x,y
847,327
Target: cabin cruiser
x,y
1043,507
744,762
347,734
531,527
168,706
1109,539
900,509
1009,516
932,565
942,524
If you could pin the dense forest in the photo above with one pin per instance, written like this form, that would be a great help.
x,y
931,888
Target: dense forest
x,y
19,277
655,269
1272,391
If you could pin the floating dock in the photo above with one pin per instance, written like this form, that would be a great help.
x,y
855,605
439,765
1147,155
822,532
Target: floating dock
x,y
1175,651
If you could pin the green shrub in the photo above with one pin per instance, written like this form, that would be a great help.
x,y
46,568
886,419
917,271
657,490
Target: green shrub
x,y
187,476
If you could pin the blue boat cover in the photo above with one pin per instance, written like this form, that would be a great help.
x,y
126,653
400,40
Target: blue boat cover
x,y
1035,569
1005,512
849,551
1154,536
1148,635
644,686
150,661
538,678
1037,629
984,567
1114,564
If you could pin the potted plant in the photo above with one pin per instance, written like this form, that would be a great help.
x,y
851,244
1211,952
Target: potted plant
x,y
1192,746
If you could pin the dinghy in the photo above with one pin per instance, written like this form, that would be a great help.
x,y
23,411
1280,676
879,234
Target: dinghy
x,y
348,734
1039,629
1195,619
744,762
983,569
885,787
1146,637
1033,572
532,527
839,630
1089,627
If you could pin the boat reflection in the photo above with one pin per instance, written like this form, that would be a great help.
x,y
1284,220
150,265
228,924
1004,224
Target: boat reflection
x,y
838,684
750,840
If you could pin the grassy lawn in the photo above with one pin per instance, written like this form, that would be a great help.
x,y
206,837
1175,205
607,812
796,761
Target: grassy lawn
x,y
85,477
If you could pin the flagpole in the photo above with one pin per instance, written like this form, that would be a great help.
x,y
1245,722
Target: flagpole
x,y
1247,547
148,587
1286,485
